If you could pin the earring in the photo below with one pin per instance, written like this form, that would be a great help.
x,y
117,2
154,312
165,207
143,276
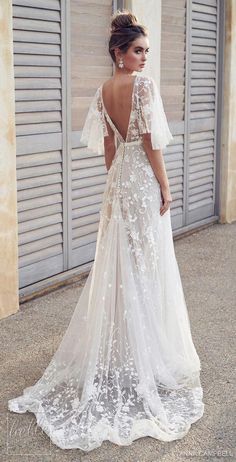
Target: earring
x,y
121,63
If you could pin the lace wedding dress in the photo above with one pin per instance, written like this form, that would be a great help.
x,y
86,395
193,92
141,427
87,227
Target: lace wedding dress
x,y
126,366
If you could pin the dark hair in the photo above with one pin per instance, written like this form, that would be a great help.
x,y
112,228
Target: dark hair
x,y
125,28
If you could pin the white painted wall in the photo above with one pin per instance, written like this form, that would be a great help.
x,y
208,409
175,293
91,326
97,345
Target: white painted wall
x,y
149,14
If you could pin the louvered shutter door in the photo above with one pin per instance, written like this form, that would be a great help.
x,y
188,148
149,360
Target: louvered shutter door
x,y
37,65
173,37
189,86
202,111
90,67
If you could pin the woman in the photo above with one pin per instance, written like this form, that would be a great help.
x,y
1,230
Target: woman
x,y
126,367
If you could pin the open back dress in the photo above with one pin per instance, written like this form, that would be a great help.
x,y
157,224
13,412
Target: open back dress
x,y
126,366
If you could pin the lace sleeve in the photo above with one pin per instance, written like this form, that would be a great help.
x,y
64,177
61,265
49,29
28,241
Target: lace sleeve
x,y
151,115
95,128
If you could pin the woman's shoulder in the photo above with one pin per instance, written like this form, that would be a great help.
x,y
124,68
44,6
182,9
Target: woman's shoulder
x,y
146,80
142,84
146,87
106,82
121,85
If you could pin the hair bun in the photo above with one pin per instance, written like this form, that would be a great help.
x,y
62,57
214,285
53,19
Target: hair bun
x,y
125,29
123,19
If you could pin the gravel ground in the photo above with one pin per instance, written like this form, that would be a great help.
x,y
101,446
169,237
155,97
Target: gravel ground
x,y
207,263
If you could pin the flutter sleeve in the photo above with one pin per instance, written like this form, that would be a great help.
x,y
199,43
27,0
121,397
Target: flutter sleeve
x,y
151,114
95,128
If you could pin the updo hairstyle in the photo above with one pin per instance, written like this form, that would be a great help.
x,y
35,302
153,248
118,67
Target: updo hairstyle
x,y
125,28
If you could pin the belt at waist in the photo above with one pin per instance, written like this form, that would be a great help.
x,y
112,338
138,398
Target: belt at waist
x,y
131,143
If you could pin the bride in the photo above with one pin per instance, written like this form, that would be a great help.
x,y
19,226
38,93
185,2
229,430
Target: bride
x,y
126,366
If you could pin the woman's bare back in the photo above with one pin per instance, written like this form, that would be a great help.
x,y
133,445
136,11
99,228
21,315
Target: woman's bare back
x,y
117,99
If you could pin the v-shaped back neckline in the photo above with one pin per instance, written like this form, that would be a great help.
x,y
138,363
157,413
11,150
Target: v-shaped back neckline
x,y
109,118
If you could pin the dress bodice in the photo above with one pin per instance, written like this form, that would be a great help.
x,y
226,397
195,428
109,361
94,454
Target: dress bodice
x,y
146,116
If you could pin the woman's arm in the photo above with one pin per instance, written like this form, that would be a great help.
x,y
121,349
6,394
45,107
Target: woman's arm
x,y
156,160
109,147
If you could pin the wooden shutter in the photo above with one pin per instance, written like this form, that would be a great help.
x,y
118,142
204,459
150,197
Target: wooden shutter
x,y
202,111
60,58
173,62
90,67
37,64
189,87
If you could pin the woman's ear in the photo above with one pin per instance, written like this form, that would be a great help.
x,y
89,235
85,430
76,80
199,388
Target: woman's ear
x,y
118,53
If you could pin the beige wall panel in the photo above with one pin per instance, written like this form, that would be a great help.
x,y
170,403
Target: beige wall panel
x,y
9,302
91,63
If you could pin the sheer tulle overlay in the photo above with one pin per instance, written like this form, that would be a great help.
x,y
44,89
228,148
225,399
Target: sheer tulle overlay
x,y
126,366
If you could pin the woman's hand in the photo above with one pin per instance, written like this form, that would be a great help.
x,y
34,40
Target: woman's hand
x,y
156,160
166,199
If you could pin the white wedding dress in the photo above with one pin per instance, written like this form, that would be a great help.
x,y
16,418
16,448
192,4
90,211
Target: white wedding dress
x,y
126,366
